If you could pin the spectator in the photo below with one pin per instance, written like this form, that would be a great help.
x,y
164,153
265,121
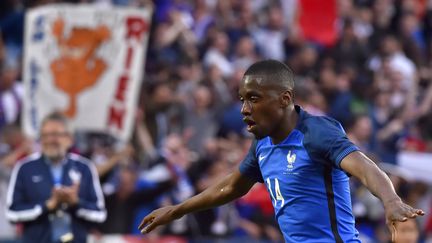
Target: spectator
x,y
408,232
349,51
242,23
13,146
163,113
178,158
359,132
245,53
309,97
55,194
11,93
270,38
390,49
200,124
123,204
217,53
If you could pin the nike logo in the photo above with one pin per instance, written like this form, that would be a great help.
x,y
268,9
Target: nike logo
x,y
37,178
261,157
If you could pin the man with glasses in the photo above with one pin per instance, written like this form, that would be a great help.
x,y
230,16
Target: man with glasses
x,y
55,194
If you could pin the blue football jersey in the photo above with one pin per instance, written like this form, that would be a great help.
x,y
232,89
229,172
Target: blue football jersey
x,y
309,190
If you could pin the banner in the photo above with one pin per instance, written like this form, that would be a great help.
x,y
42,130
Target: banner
x,y
412,166
318,21
86,62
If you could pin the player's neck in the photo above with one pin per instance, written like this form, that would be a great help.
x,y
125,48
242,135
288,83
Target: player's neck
x,y
286,126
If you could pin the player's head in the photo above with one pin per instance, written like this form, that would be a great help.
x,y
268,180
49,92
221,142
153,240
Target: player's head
x,y
55,136
266,91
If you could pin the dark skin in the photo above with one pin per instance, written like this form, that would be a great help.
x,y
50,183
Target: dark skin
x,y
268,110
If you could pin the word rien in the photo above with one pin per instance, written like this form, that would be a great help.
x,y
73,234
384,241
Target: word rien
x,y
136,27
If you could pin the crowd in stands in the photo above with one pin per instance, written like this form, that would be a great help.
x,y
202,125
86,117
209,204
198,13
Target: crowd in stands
x,y
375,78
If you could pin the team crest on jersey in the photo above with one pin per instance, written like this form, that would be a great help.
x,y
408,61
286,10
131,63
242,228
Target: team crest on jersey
x,y
291,157
75,176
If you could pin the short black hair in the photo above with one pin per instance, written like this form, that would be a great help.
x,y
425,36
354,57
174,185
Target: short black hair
x,y
274,71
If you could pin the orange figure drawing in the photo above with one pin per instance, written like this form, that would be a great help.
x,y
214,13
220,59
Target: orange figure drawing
x,y
77,68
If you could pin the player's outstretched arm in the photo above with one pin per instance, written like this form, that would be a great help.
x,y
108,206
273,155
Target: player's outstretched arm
x,y
229,188
360,166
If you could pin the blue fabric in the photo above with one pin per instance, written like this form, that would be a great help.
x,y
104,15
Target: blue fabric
x,y
33,184
249,165
61,220
144,210
61,225
340,107
300,174
56,172
12,27
2,113
232,120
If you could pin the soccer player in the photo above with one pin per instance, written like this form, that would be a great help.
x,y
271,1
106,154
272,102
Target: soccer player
x,y
305,162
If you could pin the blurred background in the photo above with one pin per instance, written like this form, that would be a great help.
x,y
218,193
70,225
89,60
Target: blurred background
x,y
366,63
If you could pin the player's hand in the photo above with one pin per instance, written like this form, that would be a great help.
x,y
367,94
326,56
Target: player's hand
x,y
158,217
396,210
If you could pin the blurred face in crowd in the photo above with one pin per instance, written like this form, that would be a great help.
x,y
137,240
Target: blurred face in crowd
x,y
328,79
308,56
348,32
345,7
245,47
382,99
55,140
261,106
409,24
365,15
12,136
363,128
246,17
8,76
275,18
407,232
127,179
202,97
175,151
389,45
221,42
162,96
316,98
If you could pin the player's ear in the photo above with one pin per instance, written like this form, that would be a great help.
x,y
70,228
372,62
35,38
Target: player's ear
x,y
286,98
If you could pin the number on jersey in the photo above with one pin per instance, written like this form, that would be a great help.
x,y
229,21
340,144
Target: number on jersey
x,y
277,192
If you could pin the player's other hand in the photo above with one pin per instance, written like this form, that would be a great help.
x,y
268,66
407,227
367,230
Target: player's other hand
x,y
396,210
158,217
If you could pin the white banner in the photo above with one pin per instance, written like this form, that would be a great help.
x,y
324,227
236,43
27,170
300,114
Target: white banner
x,y
412,166
87,62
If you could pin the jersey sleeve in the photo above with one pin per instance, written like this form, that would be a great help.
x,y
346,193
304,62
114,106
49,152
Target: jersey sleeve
x,y
249,166
91,203
327,142
19,207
